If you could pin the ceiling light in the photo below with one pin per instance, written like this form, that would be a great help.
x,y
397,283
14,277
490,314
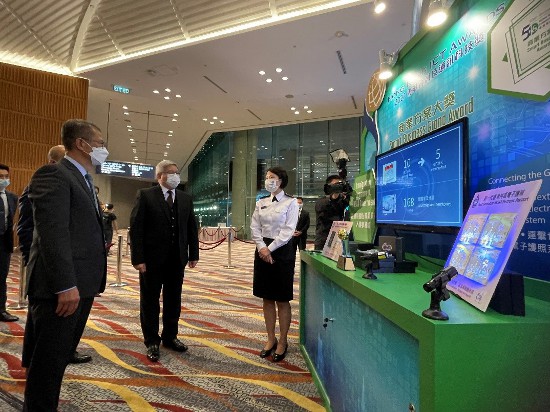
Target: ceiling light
x,y
174,120
211,122
128,126
170,131
268,80
166,97
156,91
261,72
437,13
178,96
126,113
125,107
309,111
215,118
387,61
221,121
331,89
167,90
296,112
379,6
306,107
292,108
205,119
278,70
284,78
176,115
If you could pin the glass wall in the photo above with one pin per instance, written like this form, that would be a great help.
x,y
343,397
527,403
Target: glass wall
x,y
226,177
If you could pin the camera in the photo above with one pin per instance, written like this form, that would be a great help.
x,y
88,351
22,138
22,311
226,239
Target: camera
x,y
339,187
340,158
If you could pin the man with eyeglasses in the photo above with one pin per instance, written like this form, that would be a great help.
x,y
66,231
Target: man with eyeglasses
x,y
67,262
164,239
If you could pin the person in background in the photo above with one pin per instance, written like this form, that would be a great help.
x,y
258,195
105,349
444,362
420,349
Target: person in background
x,y
328,209
109,223
164,238
8,206
25,224
300,234
272,228
67,262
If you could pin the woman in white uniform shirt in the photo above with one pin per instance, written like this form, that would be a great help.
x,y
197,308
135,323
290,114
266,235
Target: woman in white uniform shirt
x,y
273,224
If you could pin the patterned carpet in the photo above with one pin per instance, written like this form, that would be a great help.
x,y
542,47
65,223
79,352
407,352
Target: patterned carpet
x,y
221,322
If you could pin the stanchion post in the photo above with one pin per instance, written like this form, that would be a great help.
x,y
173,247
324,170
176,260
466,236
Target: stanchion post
x,y
22,303
119,265
229,237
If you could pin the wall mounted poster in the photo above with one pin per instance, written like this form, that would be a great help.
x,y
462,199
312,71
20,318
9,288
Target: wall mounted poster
x,y
487,238
362,207
333,245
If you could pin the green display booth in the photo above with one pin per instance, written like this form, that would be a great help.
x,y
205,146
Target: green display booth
x,y
370,349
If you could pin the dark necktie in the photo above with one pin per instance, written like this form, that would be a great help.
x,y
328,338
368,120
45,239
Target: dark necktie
x,y
274,199
90,181
170,199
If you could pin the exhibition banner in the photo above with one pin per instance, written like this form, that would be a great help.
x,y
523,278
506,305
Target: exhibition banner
x,y
446,75
486,240
362,205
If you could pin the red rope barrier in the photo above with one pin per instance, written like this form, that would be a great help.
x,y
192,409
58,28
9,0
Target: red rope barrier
x,y
215,246
244,241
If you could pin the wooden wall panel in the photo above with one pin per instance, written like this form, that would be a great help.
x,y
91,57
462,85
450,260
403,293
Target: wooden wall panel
x,y
33,106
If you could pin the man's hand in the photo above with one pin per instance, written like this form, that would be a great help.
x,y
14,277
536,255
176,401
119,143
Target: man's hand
x,y
192,263
297,233
140,267
67,302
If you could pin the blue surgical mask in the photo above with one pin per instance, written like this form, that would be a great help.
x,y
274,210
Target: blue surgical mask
x,y
4,183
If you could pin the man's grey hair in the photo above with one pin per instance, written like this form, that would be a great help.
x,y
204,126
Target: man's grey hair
x,y
163,164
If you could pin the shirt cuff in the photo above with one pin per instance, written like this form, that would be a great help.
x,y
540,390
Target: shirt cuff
x,y
66,290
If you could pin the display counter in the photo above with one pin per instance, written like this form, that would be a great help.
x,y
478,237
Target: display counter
x,y
369,348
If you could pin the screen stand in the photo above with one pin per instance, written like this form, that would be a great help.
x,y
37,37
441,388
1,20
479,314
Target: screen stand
x,y
509,296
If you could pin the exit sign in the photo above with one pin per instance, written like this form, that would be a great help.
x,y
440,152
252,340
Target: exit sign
x,y
121,89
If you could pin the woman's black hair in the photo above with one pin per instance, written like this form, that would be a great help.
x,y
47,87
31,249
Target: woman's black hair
x,y
281,174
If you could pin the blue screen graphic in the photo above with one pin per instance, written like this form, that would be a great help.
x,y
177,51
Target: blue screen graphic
x,y
421,184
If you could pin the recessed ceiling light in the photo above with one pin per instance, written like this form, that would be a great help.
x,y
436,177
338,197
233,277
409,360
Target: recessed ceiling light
x,y
296,112
211,122
292,108
156,91
174,120
167,90
309,111
125,107
176,115
222,121
268,80
278,70
128,126
306,107
284,78
379,6
178,96
126,113
205,119
261,72
215,118
331,89
167,97
170,131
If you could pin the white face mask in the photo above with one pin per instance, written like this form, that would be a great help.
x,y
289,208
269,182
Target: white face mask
x,y
172,180
271,185
98,154
4,183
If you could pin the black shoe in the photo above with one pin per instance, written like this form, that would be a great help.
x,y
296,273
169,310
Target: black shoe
x,y
277,357
266,352
153,352
7,317
77,358
176,345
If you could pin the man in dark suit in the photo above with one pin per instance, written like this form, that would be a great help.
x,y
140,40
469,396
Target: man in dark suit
x,y
67,263
8,205
164,238
300,234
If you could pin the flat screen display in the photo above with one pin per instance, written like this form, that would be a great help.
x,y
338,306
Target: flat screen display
x,y
421,185
125,169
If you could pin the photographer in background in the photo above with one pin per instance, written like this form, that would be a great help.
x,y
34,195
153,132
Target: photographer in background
x,y
331,207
